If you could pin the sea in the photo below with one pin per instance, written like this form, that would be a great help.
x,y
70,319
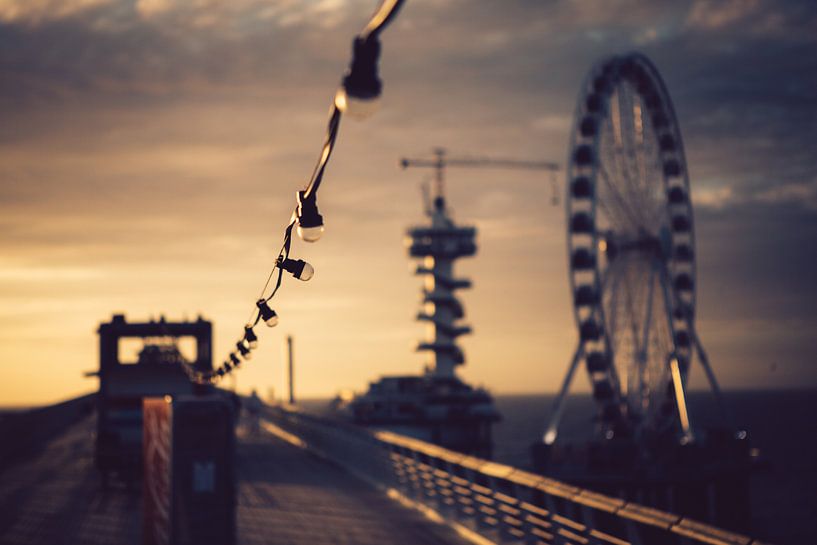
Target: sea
x,y
781,424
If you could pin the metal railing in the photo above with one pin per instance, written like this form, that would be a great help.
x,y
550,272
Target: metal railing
x,y
485,500
28,431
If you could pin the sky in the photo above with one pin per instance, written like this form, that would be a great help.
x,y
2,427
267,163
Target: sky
x,y
150,152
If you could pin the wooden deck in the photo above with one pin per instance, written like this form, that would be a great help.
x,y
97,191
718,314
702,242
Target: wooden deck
x,y
285,496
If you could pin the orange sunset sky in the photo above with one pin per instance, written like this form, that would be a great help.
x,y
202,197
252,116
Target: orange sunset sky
x,y
150,152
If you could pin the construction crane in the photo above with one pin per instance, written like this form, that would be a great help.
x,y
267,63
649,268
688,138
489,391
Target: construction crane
x,y
441,161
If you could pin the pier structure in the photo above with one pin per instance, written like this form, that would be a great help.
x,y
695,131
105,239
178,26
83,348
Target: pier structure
x,y
304,479
53,495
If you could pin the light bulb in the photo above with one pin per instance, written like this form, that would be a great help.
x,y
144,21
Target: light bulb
x,y
299,268
310,222
310,234
267,314
245,352
361,85
358,108
307,273
249,336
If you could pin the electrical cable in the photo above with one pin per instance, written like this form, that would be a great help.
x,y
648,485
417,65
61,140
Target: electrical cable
x,y
361,82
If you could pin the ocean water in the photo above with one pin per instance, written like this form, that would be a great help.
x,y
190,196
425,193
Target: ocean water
x,y
781,424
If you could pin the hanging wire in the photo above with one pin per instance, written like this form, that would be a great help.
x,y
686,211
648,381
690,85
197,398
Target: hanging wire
x,y
361,81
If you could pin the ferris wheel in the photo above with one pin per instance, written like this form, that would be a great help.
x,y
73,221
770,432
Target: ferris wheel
x,y
631,252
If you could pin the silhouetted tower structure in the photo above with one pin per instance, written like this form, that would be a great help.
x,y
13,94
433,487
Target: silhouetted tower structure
x,y
438,406
439,246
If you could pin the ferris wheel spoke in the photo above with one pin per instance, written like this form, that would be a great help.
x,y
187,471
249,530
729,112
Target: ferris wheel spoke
x,y
627,152
629,362
640,153
655,207
618,186
642,149
619,199
614,201
612,153
664,344
645,337
628,190
614,220
645,173
665,347
610,274
628,139
610,288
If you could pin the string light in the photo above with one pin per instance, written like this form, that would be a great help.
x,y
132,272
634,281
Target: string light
x,y
269,316
357,96
250,338
310,222
243,350
299,268
361,85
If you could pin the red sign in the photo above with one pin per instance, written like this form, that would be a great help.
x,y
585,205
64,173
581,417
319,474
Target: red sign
x,y
157,441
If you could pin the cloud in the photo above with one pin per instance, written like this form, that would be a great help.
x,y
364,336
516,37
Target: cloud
x,y
48,274
716,199
552,122
36,12
804,194
717,14
792,20
801,195
191,14
151,8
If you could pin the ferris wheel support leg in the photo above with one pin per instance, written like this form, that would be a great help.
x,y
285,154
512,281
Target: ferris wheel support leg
x,y
675,370
559,403
710,375
680,398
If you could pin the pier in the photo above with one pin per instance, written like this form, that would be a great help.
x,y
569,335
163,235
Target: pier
x,y
285,495
305,479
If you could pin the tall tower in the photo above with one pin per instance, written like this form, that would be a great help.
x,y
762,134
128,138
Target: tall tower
x,y
437,406
439,245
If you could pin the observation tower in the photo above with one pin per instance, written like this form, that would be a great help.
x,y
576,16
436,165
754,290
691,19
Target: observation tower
x,y
442,243
436,405
439,246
